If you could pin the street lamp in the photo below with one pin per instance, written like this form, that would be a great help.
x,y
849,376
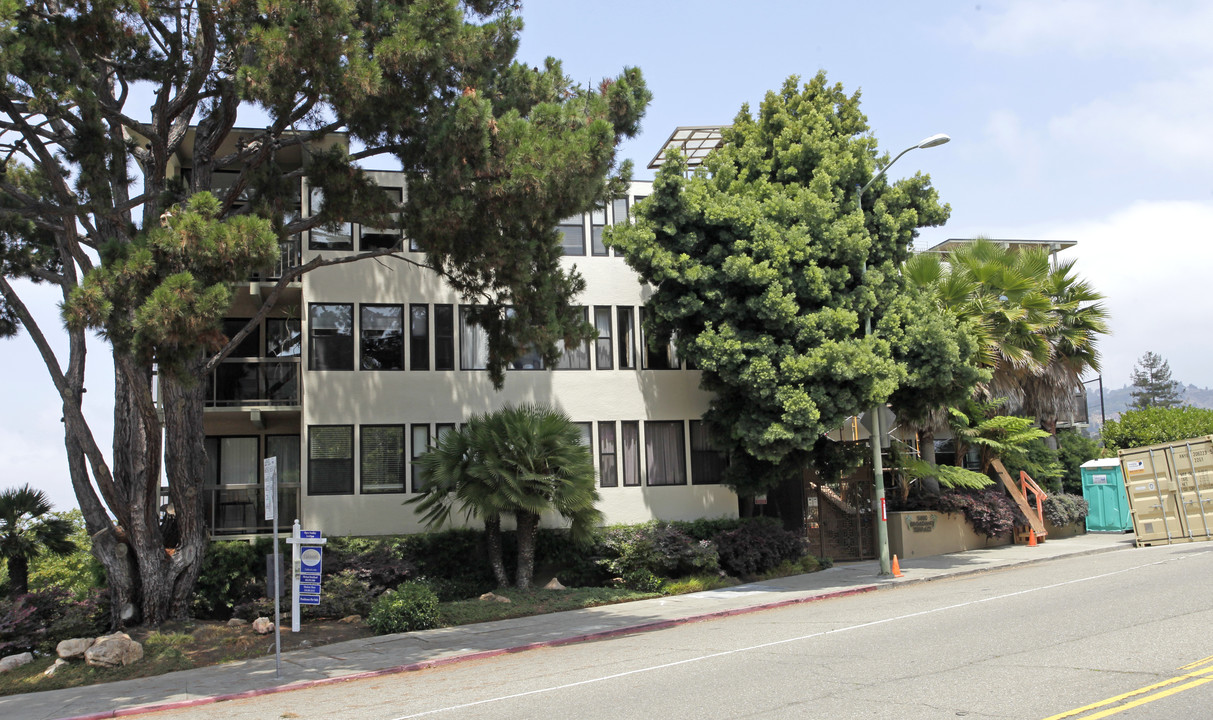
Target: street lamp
x,y
878,502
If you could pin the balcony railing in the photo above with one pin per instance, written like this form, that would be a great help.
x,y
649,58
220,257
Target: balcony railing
x,y
289,256
240,509
246,382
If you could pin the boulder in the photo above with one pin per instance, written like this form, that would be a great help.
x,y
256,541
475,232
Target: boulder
x,y
12,662
59,662
351,619
74,648
554,584
263,626
493,597
113,651
237,622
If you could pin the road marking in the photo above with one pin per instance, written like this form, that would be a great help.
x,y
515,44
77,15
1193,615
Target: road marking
x,y
1201,678
860,626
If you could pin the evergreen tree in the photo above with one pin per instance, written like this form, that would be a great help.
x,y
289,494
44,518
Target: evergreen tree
x,y
93,201
1152,384
765,269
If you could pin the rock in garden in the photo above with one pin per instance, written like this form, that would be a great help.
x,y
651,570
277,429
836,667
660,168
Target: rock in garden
x,y
12,662
554,585
488,596
113,651
74,648
263,626
237,622
50,671
351,619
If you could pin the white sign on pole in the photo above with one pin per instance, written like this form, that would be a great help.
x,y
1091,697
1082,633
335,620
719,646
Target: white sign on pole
x,y
271,487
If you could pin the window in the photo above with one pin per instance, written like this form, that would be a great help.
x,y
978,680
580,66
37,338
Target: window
x,y
421,443
286,449
707,463
250,346
597,223
662,357
579,357
382,453
587,434
330,460
619,211
384,238
473,344
235,380
382,333
441,430
334,237
629,438
572,231
419,337
444,337
627,338
602,346
232,461
608,469
531,359
283,337
331,336
665,453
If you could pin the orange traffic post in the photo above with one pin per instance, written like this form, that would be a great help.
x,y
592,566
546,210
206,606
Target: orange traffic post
x,y
896,567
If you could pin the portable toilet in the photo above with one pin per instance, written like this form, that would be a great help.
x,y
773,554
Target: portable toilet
x,y
1103,487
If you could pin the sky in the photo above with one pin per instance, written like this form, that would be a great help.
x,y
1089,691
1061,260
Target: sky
x,y
1074,120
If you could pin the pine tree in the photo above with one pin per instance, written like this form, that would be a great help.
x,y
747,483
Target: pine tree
x,y
1152,384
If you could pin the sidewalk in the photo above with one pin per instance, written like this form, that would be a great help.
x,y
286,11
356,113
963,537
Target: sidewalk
x,y
388,654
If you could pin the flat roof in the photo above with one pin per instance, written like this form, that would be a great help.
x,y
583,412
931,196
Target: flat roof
x,y
1050,245
694,141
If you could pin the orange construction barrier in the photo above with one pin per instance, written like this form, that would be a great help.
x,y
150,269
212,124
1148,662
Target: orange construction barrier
x,y
896,567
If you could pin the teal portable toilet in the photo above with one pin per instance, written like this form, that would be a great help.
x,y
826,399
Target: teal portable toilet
x,y
1103,487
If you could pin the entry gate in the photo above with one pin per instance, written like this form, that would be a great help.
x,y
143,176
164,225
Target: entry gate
x,y
839,520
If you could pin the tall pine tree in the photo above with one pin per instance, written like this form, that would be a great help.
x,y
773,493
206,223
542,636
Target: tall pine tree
x,y
1152,384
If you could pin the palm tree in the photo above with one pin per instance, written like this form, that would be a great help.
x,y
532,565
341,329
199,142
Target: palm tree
x,y
26,531
523,461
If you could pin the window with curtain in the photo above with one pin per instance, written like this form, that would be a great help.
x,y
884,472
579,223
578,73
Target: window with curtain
x,y
602,346
473,344
382,330
336,237
665,453
608,467
330,460
419,337
382,454
444,337
627,338
629,446
597,223
421,443
572,234
330,330
577,358
707,463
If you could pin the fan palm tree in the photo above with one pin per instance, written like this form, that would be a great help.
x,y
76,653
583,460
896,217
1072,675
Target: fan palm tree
x,y
521,460
27,531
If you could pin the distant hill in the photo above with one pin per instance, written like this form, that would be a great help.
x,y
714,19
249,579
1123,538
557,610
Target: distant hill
x,y
1117,401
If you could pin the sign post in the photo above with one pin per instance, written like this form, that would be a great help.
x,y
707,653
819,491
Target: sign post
x,y
307,555
270,470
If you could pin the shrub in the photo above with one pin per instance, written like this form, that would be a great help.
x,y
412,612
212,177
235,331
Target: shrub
x,y
1061,510
345,593
459,555
37,621
660,549
990,512
412,606
756,547
232,573
377,562
708,528
78,571
261,607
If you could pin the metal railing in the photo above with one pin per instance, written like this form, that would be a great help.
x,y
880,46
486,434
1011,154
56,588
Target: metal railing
x,y
244,382
240,509
289,256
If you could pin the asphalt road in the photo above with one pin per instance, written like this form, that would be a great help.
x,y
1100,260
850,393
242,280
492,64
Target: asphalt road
x,y
1128,634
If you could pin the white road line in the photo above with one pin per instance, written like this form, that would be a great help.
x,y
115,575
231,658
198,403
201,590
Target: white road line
x,y
920,613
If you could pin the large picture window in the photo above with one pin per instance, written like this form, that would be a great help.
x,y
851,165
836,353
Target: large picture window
x,y
627,338
707,463
629,447
444,337
473,344
330,460
331,336
572,233
665,453
382,334
419,337
332,237
382,453
608,456
602,346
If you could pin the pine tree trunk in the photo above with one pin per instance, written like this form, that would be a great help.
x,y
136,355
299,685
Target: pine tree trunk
x,y
528,523
492,535
184,460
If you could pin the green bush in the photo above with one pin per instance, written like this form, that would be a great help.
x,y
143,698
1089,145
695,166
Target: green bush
x,y
756,547
412,606
458,555
708,528
1074,449
379,563
1061,510
37,621
1151,426
345,593
633,552
78,571
233,572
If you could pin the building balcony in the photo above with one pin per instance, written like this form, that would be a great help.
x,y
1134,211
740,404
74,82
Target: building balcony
x,y
240,509
254,382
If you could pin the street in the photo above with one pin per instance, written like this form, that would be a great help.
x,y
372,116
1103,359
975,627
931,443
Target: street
x,y
1123,633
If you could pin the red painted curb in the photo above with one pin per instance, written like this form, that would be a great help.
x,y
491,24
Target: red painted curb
x,y
482,655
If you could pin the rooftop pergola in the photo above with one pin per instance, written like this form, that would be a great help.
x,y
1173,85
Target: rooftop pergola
x,y
694,141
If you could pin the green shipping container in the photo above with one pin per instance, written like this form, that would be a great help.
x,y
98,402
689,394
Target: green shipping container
x,y
1103,486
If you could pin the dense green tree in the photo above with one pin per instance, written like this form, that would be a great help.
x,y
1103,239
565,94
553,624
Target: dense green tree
x,y
1152,384
522,461
104,103
1138,428
765,268
1074,449
28,529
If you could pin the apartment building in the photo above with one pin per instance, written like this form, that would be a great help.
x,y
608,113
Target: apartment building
x,y
360,367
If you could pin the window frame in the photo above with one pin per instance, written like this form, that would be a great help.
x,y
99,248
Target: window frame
x,y
677,475
463,345
362,337
311,337
606,342
564,236
598,247
347,482
419,345
626,339
383,488
635,479
707,463
397,233
444,343
417,449
346,229
585,348
607,428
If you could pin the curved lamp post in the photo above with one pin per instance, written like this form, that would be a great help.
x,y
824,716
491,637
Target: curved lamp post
x,y
878,502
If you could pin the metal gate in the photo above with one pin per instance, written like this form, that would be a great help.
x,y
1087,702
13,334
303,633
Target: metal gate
x,y
839,520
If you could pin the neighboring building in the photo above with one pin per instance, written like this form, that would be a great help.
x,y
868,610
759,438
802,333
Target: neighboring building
x,y
360,366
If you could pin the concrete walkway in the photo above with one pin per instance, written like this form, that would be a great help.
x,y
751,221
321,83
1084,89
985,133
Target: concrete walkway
x,y
388,654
